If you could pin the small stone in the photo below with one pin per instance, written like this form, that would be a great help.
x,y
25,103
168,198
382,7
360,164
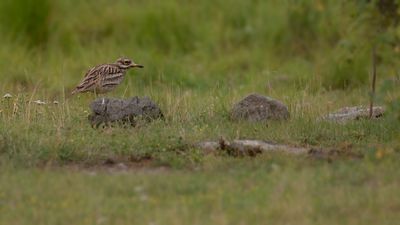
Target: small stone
x,y
121,166
8,95
55,102
256,107
39,102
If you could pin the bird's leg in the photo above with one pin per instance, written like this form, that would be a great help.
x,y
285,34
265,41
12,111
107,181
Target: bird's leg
x,y
103,101
96,95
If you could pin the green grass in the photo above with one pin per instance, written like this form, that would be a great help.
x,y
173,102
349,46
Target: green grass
x,y
53,167
271,188
200,58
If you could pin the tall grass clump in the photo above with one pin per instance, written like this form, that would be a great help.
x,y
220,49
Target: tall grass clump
x,y
165,28
302,26
347,66
368,24
26,20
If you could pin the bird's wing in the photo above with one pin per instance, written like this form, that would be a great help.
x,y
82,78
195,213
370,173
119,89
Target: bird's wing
x,y
112,75
93,76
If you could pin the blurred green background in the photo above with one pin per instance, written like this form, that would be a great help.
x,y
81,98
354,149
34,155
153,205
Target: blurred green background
x,y
316,45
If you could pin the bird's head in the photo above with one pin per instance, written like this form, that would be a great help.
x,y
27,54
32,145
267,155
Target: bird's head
x,y
125,63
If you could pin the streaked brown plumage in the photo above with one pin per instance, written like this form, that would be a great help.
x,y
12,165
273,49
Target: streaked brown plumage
x,y
104,78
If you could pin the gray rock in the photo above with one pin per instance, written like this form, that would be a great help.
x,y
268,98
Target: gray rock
x,y
106,110
247,147
256,107
354,113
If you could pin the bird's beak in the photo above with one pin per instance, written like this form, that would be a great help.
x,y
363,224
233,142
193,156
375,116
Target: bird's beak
x,y
136,65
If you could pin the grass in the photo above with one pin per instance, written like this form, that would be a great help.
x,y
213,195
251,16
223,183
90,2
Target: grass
x,y
190,118
53,171
199,60
274,188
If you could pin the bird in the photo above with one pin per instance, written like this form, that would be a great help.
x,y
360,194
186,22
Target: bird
x,y
105,77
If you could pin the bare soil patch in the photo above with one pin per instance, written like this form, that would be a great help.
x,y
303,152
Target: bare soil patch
x,y
115,164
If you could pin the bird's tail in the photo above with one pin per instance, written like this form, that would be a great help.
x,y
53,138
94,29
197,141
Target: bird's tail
x,y
74,91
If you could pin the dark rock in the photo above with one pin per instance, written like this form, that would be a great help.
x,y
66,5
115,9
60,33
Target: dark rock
x,y
256,107
126,111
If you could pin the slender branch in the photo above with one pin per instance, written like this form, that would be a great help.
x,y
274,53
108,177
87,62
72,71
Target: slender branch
x,y
372,97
